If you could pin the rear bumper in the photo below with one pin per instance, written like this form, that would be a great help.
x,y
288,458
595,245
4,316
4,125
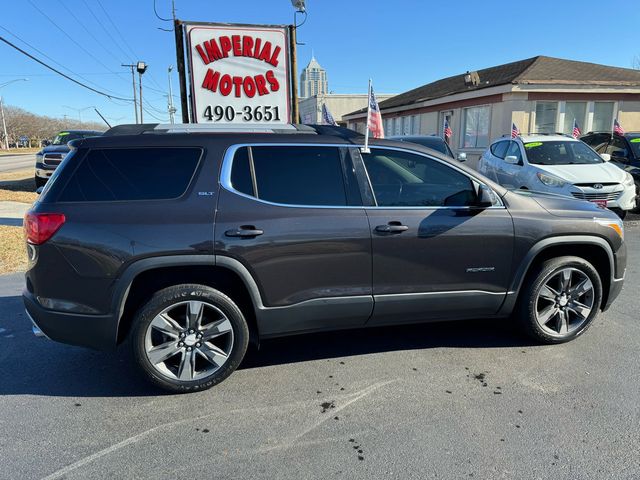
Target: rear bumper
x,y
93,331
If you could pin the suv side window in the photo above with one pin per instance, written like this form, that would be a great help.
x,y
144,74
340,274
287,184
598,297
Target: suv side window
x,y
117,174
401,179
292,175
514,150
499,149
617,145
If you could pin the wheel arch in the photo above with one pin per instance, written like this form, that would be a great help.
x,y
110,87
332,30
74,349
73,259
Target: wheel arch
x,y
145,277
595,250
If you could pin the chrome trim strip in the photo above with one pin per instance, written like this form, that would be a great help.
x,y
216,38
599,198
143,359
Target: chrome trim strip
x,y
449,292
35,329
227,163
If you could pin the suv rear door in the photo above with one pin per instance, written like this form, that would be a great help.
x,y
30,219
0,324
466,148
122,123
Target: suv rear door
x,y
293,216
435,255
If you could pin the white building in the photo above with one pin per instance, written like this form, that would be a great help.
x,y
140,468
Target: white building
x,y
313,80
339,104
539,94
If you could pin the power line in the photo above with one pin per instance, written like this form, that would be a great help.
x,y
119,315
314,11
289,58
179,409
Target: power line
x,y
60,73
82,24
55,61
114,41
69,36
156,12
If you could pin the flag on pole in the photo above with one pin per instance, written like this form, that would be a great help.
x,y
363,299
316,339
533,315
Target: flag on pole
x,y
327,118
617,128
514,131
374,119
447,130
576,130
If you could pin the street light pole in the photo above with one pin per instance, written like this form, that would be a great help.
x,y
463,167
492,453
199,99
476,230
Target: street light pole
x,y
133,81
141,67
4,123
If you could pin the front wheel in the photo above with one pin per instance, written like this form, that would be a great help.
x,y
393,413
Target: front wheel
x,y
40,182
189,338
637,209
560,300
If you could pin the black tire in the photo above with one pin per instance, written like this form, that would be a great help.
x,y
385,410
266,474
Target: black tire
x,y
175,297
529,301
40,182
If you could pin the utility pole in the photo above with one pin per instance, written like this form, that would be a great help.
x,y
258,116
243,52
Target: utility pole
x,y
4,127
133,81
172,109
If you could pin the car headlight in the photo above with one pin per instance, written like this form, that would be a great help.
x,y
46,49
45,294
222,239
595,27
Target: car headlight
x,y
629,181
551,180
616,225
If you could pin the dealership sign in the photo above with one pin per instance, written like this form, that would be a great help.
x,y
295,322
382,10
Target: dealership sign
x,y
239,74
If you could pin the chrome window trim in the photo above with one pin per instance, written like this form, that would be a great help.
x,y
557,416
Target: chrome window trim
x,y
227,163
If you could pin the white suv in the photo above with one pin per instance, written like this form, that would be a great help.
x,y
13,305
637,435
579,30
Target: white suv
x,y
561,165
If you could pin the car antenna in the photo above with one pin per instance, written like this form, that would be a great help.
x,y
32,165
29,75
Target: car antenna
x,y
103,119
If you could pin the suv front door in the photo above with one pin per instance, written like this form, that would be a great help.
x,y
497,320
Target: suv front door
x,y
509,174
435,254
293,217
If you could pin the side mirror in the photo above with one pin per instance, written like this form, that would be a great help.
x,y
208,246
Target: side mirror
x,y
39,190
606,157
511,159
485,197
462,157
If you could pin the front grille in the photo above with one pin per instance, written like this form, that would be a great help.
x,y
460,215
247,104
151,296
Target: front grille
x,y
52,159
596,196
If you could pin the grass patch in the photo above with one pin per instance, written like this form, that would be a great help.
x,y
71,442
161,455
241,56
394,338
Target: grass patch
x,y
18,186
16,151
13,253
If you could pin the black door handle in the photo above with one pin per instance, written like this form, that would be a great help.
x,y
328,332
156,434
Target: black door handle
x,y
247,231
392,227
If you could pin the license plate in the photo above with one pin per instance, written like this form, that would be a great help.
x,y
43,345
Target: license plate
x,y
600,203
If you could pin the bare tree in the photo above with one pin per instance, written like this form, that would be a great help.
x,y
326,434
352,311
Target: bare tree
x,y
39,127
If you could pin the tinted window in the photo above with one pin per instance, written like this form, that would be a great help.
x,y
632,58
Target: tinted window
x,y
514,151
401,179
132,174
560,153
634,141
299,175
499,149
241,173
619,147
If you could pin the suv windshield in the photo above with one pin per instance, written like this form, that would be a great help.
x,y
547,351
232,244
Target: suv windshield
x,y
560,153
635,145
65,137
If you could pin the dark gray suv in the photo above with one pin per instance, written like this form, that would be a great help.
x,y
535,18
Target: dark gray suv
x,y
188,243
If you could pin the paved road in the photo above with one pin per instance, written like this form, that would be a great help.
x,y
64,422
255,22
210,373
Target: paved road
x,y
10,163
462,400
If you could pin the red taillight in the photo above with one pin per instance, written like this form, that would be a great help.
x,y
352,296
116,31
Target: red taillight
x,y
40,227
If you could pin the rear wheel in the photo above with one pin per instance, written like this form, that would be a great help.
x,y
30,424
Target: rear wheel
x,y
560,300
189,338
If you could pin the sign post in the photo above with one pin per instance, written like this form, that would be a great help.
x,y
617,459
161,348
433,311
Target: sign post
x,y
238,74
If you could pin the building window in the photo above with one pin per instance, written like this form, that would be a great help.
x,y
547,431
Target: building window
x,y
398,126
602,116
546,115
575,111
476,127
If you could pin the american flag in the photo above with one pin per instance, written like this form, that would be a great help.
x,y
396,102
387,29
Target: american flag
x,y
617,128
447,130
327,118
374,122
514,131
576,129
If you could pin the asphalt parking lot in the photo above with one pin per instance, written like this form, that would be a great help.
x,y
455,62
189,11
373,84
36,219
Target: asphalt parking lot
x,y
459,400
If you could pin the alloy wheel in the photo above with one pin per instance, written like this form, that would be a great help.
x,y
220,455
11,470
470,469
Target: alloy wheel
x,y
564,302
189,340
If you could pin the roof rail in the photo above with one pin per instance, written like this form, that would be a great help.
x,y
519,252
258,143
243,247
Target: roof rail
x,y
163,128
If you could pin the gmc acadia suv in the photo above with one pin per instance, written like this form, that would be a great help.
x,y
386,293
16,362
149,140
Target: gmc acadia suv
x,y
188,242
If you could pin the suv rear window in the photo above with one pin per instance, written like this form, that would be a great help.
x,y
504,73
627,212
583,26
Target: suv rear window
x,y
292,175
132,174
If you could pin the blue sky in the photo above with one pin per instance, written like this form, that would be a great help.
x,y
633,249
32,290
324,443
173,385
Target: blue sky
x,y
400,44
